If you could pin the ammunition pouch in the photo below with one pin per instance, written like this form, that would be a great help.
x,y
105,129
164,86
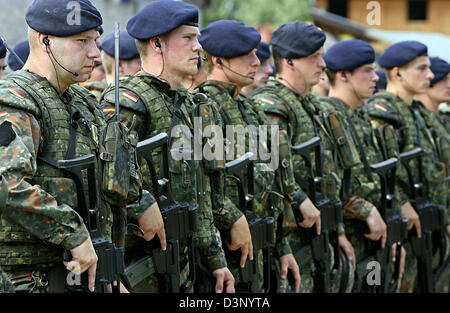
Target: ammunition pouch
x,y
118,164
345,147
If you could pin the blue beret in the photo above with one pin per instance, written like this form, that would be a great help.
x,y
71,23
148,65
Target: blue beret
x,y
263,51
2,49
402,53
297,40
228,38
160,17
128,49
349,54
51,17
382,82
440,69
22,49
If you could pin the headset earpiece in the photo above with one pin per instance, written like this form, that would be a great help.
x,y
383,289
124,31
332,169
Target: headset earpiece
x,y
46,41
290,62
343,75
219,61
157,43
399,75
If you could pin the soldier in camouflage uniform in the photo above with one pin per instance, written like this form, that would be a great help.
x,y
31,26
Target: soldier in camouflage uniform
x,y
169,51
36,130
286,102
229,70
350,69
408,73
439,92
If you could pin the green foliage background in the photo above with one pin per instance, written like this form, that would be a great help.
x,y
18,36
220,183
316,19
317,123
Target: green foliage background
x,y
260,12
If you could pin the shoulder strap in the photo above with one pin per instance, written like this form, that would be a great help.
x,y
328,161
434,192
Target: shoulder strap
x,y
358,140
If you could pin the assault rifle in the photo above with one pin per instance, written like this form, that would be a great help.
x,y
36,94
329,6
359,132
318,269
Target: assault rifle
x,y
110,265
180,221
261,228
331,216
431,220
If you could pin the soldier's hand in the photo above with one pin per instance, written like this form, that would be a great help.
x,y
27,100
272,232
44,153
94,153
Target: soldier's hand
x,y
123,289
151,222
311,215
377,227
223,277
241,238
84,258
288,262
348,249
413,218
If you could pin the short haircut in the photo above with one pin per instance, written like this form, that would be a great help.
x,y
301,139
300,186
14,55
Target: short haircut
x,y
277,61
142,46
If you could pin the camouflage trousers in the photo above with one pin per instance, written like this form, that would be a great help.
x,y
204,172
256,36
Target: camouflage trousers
x,y
6,285
443,275
409,279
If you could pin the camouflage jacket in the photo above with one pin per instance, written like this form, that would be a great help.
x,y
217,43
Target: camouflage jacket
x,y
414,128
40,215
238,113
365,184
96,88
151,101
303,118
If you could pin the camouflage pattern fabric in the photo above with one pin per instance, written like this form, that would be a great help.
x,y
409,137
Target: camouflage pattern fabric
x,y
240,112
5,283
411,130
303,118
40,216
96,88
150,101
362,186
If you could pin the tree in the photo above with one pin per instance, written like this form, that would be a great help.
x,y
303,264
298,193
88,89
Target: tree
x,y
257,12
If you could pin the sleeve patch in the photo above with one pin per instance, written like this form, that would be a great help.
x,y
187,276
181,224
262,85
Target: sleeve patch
x,y
7,134
381,107
17,93
267,100
130,96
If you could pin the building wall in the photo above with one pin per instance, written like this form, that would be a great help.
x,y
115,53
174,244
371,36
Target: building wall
x,y
394,15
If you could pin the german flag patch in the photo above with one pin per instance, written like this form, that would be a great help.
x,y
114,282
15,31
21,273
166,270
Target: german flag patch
x,y
3,113
267,100
381,107
109,109
17,93
130,96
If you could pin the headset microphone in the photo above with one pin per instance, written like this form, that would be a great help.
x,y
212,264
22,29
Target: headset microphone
x,y
219,61
47,43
